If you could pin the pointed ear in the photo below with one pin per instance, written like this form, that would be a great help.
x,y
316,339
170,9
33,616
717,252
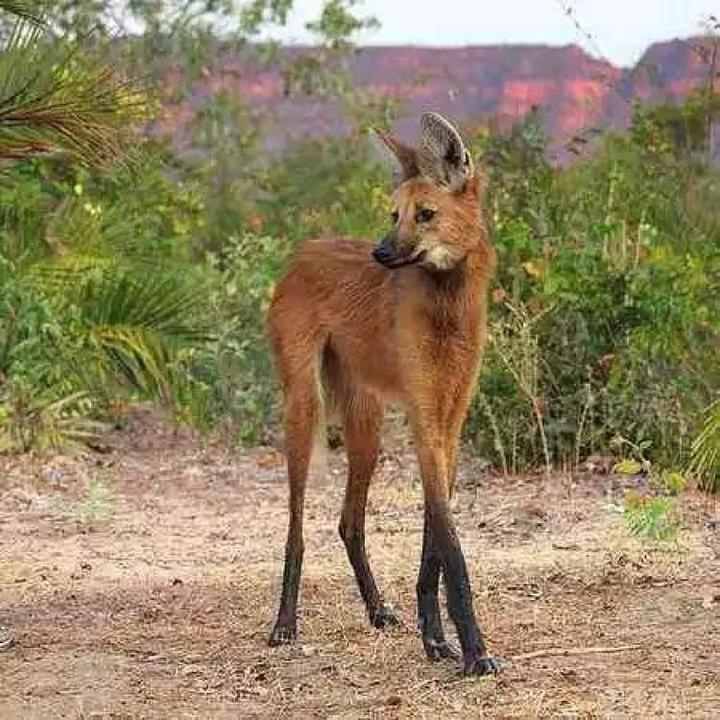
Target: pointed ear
x,y
404,156
443,157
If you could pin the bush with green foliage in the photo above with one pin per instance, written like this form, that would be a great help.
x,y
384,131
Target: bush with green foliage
x,y
99,296
606,318
650,518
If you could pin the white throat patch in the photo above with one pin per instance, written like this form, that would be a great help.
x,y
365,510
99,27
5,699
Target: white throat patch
x,y
437,255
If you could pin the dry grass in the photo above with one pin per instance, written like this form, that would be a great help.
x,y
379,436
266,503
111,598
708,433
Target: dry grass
x,y
153,596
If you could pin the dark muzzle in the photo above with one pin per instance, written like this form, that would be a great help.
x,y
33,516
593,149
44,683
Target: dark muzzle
x,y
386,253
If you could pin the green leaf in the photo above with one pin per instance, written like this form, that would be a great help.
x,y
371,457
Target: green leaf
x,y
628,467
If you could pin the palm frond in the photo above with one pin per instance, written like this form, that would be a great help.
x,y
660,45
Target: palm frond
x,y
30,10
55,276
136,317
139,326
55,98
50,420
79,231
705,461
137,355
151,300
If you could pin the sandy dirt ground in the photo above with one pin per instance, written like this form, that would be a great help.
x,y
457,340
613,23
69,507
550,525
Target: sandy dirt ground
x,y
142,583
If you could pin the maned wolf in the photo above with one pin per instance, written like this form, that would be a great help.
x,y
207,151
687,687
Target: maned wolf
x,y
353,329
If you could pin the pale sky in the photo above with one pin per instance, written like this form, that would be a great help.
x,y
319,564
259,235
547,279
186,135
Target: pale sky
x,y
622,29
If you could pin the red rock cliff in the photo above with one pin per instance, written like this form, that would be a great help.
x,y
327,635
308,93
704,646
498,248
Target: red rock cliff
x,y
471,84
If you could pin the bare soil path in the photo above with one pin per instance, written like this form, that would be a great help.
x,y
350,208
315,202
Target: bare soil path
x,y
142,584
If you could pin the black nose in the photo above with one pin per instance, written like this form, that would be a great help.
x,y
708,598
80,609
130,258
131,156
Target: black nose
x,y
383,254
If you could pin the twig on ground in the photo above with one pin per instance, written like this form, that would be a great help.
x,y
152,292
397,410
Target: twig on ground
x,y
6,640
563,652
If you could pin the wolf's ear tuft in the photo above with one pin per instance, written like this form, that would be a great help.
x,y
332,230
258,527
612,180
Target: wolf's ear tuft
x,y
404,157
443,156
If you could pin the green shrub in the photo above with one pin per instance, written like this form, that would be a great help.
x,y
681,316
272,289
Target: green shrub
x,y
614,265
96,301
650,518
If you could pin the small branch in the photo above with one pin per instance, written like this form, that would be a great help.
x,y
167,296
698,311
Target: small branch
x,y
543,438
564,652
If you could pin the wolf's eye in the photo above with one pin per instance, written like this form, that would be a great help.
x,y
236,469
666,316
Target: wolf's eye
x,y
425,215
394,216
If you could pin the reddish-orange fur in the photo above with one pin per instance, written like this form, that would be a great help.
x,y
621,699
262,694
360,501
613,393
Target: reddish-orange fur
x,y
351,334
